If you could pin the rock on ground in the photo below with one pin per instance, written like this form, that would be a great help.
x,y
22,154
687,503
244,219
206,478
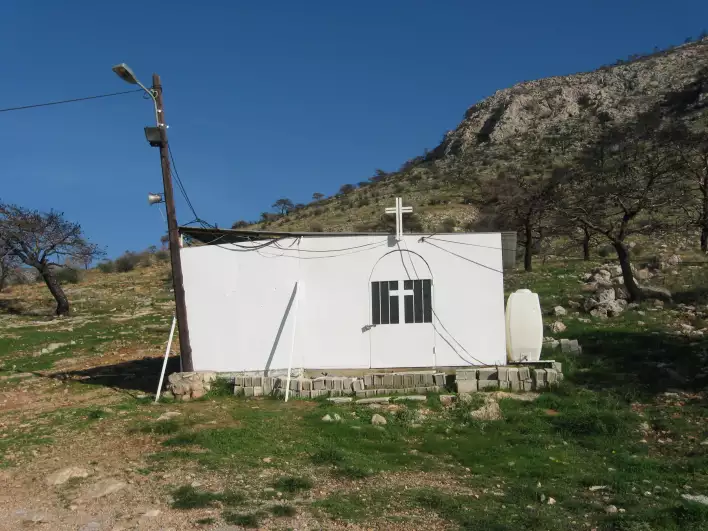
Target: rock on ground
x,y
698,498
489,411
62,476
105,487
327,418
169,415
558,327
559,311
378,420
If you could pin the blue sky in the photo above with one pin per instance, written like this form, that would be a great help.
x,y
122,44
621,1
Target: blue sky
x,y
272,99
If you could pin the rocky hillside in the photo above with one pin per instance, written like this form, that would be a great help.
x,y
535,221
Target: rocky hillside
x,y
505,130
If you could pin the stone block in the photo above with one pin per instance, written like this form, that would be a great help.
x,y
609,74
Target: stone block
x,y
305,385
466,374
411,398
516,385
248,391
513,374
488,374
382,392
487,384
238,390
503,384
421,390
238,381
379,381
318,384
360,394
368,381
539,375
524,373
267,388
408,381
257,381
558,366
398,381
358,385
388,381
439,379
551,376
257,390
528,385
370,392
466,386
503,374
335,392
247,381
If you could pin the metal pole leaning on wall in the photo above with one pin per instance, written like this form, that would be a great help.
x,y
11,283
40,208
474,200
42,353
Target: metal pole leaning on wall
x,y
292,342
167,355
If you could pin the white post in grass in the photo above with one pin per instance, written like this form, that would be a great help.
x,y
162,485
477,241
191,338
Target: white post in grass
x,y
292,341
167,355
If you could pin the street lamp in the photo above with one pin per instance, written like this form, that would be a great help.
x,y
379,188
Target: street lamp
x,y
157,136
124,72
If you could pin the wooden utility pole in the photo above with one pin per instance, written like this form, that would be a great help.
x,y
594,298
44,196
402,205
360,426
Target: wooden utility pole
x,y
173,232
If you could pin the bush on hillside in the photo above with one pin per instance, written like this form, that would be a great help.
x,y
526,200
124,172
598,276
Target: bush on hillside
x,y
106,266
127,262
162,255
68,275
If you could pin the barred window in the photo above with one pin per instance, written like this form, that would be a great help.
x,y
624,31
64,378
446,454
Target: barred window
x,y
416,297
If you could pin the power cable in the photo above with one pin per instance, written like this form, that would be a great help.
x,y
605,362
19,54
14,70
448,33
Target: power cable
x,y
370,244
425,238
34,106
465,258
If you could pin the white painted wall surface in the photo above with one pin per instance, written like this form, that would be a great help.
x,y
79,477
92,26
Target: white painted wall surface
x,y
237,303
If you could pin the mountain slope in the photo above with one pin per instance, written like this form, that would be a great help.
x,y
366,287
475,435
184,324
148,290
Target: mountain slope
x,y
505,131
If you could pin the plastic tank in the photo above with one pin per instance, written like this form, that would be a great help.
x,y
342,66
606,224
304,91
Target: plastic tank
x,y
524,327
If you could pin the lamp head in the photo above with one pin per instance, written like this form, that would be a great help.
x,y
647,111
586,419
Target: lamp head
x,y
155,198
125,73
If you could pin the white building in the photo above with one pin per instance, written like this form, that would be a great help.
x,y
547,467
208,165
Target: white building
x,y
259,301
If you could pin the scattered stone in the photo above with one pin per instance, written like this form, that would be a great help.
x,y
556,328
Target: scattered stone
x,y
600,313
644,274
267,459
656,292
605,295
575,305
447,400
168,415
704,443
327,418
105,487
152,513
598,487
411,398
611,509
378,420
489,411
558,327
62,476
340,399
559,311
374,400
698,498
674,260
551,501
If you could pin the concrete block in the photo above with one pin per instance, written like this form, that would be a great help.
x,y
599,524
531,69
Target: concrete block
x,y
238,390
357,385
466,386
360,394
388,381
466,374
411,398
368,381
513,374
487,384
247,381
257,390
248,391
257,381
305,385
408,381
488,374
558,366
318,384
267,388
335,392
528,385
516,385
370,392
340,400
524,373
382,392
421,390
379,381
503,374
551,376
238,381
398,381
538,375
504,385
377,400
439,379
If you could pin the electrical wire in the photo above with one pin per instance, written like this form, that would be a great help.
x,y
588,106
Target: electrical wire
x,y
465,258
425,238
370,244
359,250
47,104
182,189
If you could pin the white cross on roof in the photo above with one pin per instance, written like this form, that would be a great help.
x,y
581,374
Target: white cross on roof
x,y
399,210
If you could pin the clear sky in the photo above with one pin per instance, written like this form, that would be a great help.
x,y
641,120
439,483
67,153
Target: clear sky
x,y
272,99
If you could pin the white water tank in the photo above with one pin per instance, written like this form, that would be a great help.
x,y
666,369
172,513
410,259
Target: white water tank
x,y
524,327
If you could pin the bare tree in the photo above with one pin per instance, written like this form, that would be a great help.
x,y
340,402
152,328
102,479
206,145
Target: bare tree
x,y
39,239
520,203
284,205
317,196
8,263
622,184
692,148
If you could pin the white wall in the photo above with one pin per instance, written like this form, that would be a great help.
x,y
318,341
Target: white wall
x,y
237,302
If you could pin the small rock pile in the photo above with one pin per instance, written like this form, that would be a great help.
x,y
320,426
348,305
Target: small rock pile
x,y
608,297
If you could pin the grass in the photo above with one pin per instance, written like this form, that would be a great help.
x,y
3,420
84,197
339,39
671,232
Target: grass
x,y
283,511
249,521
292,484
188,497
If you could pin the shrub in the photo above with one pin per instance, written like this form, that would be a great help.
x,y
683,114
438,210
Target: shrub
x,y
126,262
316,227
162,255
398,188
292,484
346,188
106,267
364,201
605,251
448,225
68,275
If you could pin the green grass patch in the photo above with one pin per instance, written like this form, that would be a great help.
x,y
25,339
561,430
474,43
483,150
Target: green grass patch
x,y
249,521
188,497
292,484
283,511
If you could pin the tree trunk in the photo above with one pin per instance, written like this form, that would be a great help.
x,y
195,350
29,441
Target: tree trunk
x,y
586,244
528,248
630,285
704,239
55,288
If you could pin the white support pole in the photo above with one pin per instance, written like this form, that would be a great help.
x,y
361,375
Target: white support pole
x,y
167,355
292,342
